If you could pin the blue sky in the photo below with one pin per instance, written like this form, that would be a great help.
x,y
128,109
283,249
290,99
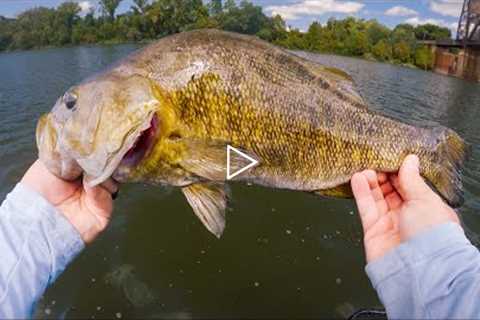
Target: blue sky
x,y
300,13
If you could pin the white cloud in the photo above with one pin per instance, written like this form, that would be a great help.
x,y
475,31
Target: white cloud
x,y
85,6
401,11
451,8
314,7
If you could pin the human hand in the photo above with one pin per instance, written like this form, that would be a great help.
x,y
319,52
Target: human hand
x,y
88,209
394,208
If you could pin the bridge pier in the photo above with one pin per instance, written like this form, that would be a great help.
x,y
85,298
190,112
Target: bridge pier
x,y
472,64
462,62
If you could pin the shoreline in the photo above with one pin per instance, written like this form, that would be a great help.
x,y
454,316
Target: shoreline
x,y
146,42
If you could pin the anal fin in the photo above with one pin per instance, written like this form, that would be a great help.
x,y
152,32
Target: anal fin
x,y
341,191
208,201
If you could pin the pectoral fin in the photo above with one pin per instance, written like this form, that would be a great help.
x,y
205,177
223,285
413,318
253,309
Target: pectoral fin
x,y
208,159
341,191
208,201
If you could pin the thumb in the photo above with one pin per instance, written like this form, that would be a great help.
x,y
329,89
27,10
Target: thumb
x,y
410,184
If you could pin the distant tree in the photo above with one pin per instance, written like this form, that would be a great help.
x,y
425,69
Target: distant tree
x,y
246,18
432,32
295,40
230,5
273,30
66,16
153,19
402,51
34,28
314,37
404,32
5,33
424,58
376,31
171,16
382,50
215,7
356,43
109,7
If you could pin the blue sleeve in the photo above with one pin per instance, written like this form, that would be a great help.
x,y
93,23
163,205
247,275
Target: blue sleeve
x,y
36,244
435,275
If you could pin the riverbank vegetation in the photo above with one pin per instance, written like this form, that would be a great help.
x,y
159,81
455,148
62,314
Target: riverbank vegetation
x,y
152,19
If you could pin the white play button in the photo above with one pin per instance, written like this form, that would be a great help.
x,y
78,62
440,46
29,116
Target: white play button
x,y
251,162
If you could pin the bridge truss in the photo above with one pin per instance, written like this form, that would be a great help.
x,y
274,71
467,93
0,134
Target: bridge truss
x,y
469,24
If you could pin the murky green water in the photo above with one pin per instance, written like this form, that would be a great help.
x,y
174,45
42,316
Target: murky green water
x,y
284,254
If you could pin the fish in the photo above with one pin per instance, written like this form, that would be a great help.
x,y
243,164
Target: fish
x,y
165,114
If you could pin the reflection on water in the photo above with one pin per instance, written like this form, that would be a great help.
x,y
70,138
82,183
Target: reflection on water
x,y
284,254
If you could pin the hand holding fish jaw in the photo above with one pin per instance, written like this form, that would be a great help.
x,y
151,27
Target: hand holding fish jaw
x,y
394,208
88,209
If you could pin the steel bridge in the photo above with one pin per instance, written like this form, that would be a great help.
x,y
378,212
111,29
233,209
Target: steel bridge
x,y
468,25
460,57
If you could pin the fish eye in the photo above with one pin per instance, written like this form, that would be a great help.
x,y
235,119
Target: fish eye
x,y
70,100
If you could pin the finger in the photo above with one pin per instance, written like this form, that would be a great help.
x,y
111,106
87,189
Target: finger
x,y
377,193
411,184
395,183
386,188
365,201
373,183
110,185
99,200
382,177
393,200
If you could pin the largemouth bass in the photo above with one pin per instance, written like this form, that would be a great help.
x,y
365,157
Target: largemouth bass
x,y
165,114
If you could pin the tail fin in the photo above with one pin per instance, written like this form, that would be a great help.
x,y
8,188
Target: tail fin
x,y
450,153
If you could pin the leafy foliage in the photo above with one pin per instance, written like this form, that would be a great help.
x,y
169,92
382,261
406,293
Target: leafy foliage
x,y
152,19
424,58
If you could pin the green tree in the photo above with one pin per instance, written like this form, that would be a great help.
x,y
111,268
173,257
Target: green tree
x,y
274,29
171,16
382,50
153,19
65,17
404,32
33,28
109,7
424,58
295,40
5,33
432,32
230,5
246,18
356,43
402,51
215,7
376,31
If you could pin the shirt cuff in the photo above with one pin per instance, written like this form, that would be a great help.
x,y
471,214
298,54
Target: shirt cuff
x,y
421,247
64,241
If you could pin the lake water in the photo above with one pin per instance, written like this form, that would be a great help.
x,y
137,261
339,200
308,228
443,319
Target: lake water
x,y
284,254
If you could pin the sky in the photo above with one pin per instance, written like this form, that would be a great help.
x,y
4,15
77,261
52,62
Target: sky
x,y
300,13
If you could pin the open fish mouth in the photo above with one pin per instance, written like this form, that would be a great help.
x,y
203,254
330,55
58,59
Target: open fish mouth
x,y
142,145
137,149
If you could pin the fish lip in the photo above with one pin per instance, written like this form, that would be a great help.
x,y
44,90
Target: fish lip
x,y
139,150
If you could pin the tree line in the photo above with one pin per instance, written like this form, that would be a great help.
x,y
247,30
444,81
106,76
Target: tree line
x,y
152,19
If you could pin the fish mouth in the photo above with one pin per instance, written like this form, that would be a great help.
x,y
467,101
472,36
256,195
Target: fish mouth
x,y
137,149
142,145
